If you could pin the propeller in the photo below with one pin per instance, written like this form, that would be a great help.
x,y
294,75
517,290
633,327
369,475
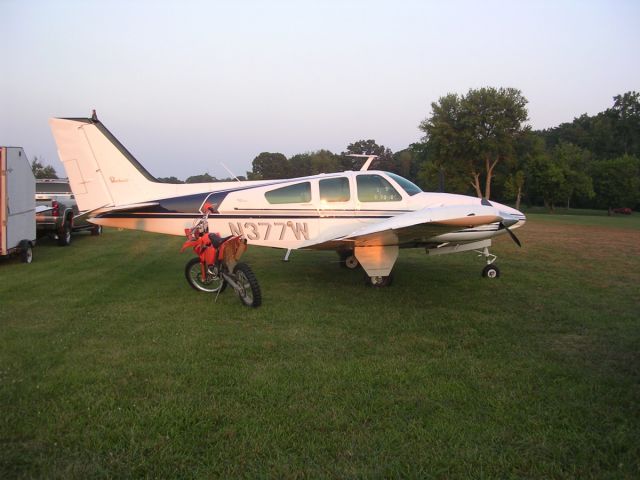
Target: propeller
x,y
503,226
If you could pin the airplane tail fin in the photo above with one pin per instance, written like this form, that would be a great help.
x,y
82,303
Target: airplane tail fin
x,y
101,171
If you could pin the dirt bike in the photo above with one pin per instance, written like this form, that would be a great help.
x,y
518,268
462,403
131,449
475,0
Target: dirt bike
x,y
216,265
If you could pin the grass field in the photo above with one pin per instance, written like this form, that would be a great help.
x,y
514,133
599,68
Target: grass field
x,y
111,366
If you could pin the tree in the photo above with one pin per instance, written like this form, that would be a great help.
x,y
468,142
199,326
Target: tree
x,y
476,131
323,161
617,182
434,174
626,111
42,171
405,163
300,165
547,180
609,134
574,162
268,166
514,186
529,146
169,180
204,178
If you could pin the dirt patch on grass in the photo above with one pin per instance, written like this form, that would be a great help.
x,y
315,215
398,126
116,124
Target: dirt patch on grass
x,y
595,242
599,257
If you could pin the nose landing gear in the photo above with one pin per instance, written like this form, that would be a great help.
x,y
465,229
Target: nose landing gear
x,y
490,270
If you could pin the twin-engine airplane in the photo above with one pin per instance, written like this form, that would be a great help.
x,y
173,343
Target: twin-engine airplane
x,y
366,216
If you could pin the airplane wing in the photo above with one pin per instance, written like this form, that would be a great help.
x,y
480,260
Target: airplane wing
x,y
414,227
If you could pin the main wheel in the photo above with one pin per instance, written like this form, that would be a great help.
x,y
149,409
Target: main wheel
x,y
96,231
213,282
378,281
249,293
491,271
348,260
351,262
64,238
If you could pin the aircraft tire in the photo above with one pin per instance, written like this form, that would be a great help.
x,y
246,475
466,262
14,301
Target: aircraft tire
x,y
491,271
251,295
348,260
192,273
379,282
351,262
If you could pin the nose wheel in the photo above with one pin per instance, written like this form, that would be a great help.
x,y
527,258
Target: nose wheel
x,y
490,271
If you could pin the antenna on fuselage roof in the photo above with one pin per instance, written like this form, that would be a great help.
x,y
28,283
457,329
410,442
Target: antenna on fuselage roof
x,y
370,158
230,172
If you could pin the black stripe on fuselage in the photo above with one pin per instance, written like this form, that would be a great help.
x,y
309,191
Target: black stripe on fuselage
x,y
141,214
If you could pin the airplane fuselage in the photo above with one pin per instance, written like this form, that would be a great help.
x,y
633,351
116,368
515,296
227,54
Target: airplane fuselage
x,y
304,211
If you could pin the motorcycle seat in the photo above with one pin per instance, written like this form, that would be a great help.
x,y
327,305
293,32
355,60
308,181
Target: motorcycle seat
x,y
217,240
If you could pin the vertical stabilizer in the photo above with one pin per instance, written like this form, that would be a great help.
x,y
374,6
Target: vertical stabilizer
x,y
102,173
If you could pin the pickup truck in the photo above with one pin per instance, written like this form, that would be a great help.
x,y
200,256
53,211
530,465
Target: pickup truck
x,y
57,214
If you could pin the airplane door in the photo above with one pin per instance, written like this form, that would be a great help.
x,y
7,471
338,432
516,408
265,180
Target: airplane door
x,y
376,198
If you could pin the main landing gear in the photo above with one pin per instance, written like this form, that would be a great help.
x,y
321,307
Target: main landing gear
x,y
490,270
376,261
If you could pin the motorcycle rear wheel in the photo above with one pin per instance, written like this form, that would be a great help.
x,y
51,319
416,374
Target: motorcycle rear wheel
x,y
249,292
213,282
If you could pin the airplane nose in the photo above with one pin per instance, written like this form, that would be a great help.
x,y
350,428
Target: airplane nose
x,y
510,216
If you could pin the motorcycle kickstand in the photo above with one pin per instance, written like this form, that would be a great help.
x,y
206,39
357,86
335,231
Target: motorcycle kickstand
x,y
215,300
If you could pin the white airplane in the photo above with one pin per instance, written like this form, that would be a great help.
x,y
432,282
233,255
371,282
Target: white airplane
x,y
366,216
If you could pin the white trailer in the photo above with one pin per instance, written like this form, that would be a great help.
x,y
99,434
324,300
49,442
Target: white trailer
x,y
17,204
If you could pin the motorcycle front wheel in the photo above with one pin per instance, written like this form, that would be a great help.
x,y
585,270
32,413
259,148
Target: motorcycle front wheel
x,y
213,282
249,291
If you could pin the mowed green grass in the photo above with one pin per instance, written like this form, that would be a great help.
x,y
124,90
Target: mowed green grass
x,y
111,366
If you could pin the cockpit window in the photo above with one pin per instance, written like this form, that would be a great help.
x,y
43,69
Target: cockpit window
x,y
374,188
297,193
407,186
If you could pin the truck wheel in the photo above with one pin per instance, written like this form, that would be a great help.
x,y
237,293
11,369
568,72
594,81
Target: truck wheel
x,y
64,238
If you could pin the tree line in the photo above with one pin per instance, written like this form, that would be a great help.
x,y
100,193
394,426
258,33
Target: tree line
x,y
479,144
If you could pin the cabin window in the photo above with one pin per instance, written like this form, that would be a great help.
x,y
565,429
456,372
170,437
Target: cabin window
x,y
298,193
335,190
374,188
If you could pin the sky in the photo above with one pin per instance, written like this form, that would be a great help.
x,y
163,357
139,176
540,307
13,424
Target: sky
x,y
189,86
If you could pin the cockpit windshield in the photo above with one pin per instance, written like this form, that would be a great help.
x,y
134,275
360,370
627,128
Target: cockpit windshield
x,y
407,186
